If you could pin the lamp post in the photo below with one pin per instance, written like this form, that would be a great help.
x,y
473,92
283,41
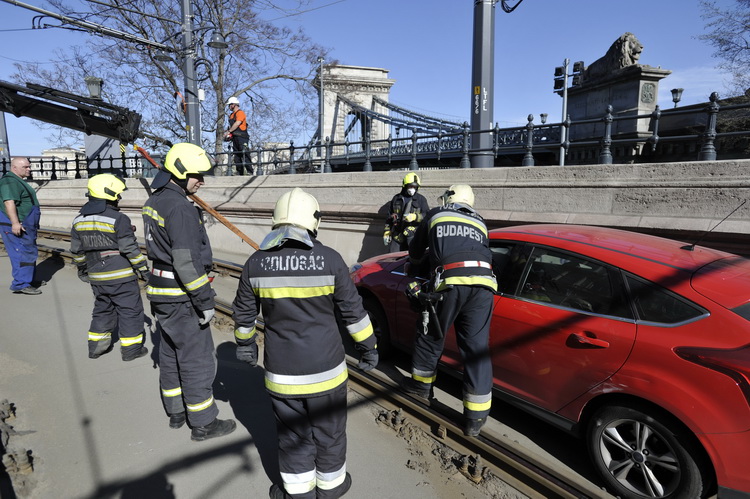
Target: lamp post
x,y
676,95
483,84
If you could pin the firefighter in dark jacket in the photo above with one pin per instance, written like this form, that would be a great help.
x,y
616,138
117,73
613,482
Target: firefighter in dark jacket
x,y
405,212
108,257
461,272
299,284
180,293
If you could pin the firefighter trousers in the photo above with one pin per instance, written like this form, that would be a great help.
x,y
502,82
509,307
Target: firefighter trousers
x,y
187,363
312,444
469,310
116,306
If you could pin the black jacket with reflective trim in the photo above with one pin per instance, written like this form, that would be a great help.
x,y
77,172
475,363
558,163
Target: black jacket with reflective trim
x,y
454,234
176,242
103,242
299,291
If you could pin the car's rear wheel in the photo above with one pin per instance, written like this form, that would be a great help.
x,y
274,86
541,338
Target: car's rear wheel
x,y
640,456
379,325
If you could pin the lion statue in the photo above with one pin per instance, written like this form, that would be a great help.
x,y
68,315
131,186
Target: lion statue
x,y
624,52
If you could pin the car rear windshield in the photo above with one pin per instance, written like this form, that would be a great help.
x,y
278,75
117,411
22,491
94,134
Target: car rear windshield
x,y
743,311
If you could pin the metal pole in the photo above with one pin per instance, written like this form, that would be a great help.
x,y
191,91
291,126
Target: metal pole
x,y
4,147
483,83
321,105
192,103
563,130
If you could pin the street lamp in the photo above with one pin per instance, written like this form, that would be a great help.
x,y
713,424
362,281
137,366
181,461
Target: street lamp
x,y
217,41
677,95
94,85
543,117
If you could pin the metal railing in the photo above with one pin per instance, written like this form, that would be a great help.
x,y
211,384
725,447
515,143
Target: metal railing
x,y
698,128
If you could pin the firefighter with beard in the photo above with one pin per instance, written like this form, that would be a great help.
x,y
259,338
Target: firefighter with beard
x,y
108,257
300,285
180,293
454,239
405,211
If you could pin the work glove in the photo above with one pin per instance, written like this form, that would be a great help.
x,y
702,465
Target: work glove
x,y
410,217
369,360
387,238
142,273
83,275
248,353
207,316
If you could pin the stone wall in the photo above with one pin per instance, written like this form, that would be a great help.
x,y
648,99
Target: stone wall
x,y
678,198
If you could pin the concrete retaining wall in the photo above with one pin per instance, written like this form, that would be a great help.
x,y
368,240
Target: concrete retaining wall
x,y
687,197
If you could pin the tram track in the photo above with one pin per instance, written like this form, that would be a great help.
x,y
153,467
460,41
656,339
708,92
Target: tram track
x,y
489,453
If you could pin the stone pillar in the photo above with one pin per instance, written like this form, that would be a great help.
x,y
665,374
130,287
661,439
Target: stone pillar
x,y
631,91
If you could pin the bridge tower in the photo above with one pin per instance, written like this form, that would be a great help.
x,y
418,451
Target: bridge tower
x,y
359,85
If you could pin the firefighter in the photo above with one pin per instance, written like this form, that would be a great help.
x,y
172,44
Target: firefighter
x,y
405,211
299,285
461,274
108,257
180,293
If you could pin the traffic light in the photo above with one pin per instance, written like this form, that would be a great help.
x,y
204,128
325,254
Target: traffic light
x,y
578,67
560,78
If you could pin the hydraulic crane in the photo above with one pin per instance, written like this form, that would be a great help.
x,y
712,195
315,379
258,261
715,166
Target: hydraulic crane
x,y
88,115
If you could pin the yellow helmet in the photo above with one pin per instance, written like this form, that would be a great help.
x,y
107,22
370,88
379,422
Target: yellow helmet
x,y
185,158
458,193
411,178
296,207
106,186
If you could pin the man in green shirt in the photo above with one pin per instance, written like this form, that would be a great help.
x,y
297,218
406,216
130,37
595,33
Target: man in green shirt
x,y
19,222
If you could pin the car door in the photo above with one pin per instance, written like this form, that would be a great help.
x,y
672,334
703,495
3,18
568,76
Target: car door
x,y
564,328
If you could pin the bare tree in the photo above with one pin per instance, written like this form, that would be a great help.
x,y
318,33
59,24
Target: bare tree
x,y
267,66
729,34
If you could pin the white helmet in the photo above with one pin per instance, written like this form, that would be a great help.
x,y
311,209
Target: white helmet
x,y
297,207
233,100
458,193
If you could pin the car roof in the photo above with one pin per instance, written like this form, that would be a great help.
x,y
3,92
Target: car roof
x,y
629,250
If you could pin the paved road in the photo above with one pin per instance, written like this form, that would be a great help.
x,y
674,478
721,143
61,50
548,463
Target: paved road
x,y
98,428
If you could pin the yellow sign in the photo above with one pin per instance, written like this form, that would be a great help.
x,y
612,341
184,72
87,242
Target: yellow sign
x,y
477,90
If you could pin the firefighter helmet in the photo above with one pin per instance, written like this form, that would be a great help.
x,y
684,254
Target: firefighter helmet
x,y
184,159
458,193
106,186
411,178
233,100
296,207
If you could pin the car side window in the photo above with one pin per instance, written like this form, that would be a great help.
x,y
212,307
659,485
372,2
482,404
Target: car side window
x,y
656,304
571,281
507,264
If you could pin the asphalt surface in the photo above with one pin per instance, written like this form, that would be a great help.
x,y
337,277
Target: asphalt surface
x,y
96,428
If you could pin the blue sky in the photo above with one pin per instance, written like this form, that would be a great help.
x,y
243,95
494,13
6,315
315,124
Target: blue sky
x,y
426,45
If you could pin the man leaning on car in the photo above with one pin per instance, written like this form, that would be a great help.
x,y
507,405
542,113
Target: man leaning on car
x,y
461,272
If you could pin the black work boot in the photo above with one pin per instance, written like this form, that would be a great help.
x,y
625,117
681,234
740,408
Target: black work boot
x,y
216,428
341,489
414,387
134,354
277,492
177,420
473,426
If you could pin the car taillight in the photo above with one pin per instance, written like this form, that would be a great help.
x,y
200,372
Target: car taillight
x,y
734,363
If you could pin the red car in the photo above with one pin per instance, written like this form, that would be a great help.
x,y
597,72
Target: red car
x,y
638,343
